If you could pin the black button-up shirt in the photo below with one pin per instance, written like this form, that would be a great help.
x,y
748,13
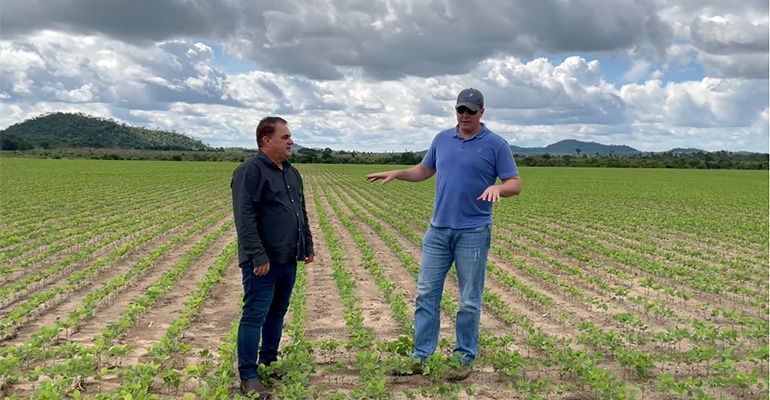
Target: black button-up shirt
x,y
269,210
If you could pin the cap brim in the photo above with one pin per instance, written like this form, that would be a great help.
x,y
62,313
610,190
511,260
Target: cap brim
x,y
472,106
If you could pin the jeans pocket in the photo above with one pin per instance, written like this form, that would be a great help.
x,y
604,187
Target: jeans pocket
x,y
247,264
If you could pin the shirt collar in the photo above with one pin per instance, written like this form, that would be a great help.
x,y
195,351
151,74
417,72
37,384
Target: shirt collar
x,y
265,159
479,135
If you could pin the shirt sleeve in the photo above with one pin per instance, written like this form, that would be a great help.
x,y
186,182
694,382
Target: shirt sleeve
x,y
308,235
505,164
429,160
246,186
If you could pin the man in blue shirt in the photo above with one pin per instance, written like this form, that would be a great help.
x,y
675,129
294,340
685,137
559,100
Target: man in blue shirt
x,y
468,159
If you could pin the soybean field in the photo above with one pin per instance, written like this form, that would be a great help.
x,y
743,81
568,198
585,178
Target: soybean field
x,y
119,280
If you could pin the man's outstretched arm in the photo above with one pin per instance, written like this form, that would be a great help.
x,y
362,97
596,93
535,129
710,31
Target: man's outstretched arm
x,y
418,173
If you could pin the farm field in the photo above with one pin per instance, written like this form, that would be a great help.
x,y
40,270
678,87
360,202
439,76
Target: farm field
x,y
119,280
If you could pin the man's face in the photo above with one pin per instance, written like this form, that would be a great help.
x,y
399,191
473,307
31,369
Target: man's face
x,y
467,119
280,143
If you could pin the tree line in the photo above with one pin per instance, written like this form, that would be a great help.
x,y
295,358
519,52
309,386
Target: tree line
x,y
694,160
691,160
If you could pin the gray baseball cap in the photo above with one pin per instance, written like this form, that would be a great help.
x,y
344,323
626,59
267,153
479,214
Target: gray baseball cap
x,y
470,98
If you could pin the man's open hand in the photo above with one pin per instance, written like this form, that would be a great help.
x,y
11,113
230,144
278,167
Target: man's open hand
x,y
491,194
385,176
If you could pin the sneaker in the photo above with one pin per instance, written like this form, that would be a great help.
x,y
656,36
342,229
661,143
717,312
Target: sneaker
x,y
254,386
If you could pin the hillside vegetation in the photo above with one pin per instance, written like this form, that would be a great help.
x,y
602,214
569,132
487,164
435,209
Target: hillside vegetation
x,y
63,135
70,130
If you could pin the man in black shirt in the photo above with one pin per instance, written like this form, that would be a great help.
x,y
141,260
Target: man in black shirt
x,y
273,234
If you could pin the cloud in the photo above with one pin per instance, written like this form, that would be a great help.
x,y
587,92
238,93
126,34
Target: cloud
x,y
710,103
386,40
732,46
539,92
136,21
729,34
438,37
730,39
384,75
750,66
54,66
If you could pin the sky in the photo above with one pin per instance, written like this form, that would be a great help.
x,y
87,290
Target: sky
x,y
372,75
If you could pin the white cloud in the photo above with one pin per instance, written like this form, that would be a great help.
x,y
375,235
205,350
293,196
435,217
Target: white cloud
x,y
711,102
729,39
735,65
383,75
729,34
640,70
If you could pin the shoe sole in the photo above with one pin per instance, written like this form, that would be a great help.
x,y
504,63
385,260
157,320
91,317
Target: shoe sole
x,y
457,377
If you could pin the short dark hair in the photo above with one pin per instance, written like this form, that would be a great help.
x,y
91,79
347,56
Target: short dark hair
x,y
266,127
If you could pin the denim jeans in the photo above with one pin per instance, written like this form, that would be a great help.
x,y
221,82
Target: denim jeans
x,y
468,249
265,302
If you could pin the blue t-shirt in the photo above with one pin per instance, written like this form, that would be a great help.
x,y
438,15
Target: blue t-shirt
x,y
464,169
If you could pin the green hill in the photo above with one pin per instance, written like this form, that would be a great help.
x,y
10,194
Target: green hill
x,y
571,147
68,130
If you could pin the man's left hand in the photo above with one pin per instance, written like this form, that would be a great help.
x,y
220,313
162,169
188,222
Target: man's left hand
x,y
309,258
491,194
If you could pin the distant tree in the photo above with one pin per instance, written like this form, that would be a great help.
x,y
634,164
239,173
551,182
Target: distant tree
x,y
10,142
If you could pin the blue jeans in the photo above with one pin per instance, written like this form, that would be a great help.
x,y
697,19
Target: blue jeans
x,y
468,249
265,302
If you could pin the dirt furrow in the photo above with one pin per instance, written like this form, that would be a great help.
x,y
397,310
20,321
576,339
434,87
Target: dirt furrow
x,y
158,317
391,264
377,314
325,316
547,321
323,305
74,247
668,245
60,255
731,300
61,277
571,311
344,381
489,320
216,315
59,308
385,257
535,313
680,307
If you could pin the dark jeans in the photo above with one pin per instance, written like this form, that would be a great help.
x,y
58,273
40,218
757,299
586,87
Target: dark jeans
x,y
265,302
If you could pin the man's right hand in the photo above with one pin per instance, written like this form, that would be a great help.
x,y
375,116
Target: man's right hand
x,y
262,270
385,176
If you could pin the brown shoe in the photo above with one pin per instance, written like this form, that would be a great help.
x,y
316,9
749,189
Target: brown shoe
x,y
459,374
253,386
